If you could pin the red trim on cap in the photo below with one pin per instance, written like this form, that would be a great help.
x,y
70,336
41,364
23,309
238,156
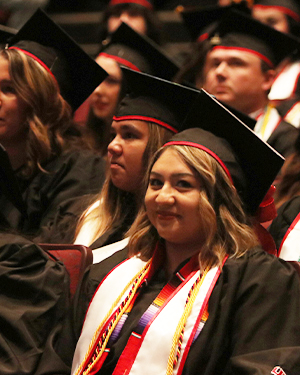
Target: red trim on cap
x,y
262,57
203,37
120,61
143,3
201,147
281,9
145,118
36,59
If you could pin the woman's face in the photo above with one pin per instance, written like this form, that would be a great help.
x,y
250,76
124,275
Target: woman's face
x,y
125,153
105,97
172,200
271,17
132,18
12,109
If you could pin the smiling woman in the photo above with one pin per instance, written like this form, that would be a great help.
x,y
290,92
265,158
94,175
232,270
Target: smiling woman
x,y
196,281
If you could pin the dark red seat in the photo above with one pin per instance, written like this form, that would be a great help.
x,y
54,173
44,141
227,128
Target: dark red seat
x,y
76,258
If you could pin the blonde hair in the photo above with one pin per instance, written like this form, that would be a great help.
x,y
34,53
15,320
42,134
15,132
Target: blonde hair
x,y
47,115
116,204
224,223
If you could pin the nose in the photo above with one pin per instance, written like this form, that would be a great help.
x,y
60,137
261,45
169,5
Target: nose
x,y
115,146
99,90
221,69
165,196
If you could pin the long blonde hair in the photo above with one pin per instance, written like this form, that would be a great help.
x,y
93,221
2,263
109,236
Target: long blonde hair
x,y
224,223
116,204
48,115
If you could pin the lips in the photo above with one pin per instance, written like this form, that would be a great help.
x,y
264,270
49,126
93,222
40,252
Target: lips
x,y
166,215
115,164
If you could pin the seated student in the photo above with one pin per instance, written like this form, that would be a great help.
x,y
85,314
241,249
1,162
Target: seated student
x,y
149,114
283,15
125,48
138,14
196,283
239,71
44,75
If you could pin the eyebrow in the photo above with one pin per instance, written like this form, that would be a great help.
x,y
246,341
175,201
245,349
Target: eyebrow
x,y
174,175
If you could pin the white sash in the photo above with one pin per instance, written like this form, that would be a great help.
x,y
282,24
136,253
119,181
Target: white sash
x,y
290,245
284,84
103,299
106,251
154,352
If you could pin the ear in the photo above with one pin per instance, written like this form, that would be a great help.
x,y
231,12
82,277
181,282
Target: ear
x,y
269,76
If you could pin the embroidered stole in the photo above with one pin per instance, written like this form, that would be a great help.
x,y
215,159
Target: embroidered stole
x,y
285,83
267,122
140,354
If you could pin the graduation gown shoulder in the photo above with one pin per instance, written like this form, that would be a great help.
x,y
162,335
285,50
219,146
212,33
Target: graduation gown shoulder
x,y
34,298
57,197
283,138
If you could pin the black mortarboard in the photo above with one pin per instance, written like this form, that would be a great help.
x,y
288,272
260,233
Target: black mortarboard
x,y
238,31
289,7
76,72
155,100
251,162
6,33
126,40
143,3
201,21
8,183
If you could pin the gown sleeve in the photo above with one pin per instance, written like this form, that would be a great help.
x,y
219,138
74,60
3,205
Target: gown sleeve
x,y
34,297
265,329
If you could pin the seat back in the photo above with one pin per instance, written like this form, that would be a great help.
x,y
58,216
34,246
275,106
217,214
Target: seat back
x,y
76,258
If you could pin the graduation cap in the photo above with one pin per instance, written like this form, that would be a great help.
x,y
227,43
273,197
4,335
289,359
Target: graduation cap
x,y
202,21
143,3
251,163
76,72
289,7
8,183
136,51
6,33
238,31
155,100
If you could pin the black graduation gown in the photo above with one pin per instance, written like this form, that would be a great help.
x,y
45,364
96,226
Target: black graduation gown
x,y
283,138
55,199
34,297
253,322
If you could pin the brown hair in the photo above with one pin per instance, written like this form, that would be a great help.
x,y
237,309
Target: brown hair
x,y
225,225
48,115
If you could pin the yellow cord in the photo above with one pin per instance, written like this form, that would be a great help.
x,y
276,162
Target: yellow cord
x,y
139,275
181,324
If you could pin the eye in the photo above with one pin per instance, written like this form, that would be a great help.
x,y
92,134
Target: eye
x,y
8,89
112,81
184,184
155,183
129,135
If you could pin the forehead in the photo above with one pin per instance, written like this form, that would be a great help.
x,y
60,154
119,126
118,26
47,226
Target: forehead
x,y
228,53
137,125
4,68
267,12
171,162
109,64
